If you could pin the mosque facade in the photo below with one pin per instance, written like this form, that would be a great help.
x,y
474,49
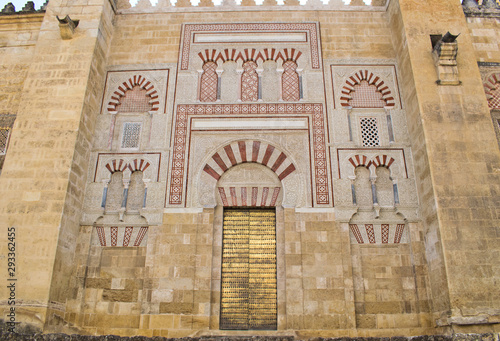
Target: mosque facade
x,y
305,169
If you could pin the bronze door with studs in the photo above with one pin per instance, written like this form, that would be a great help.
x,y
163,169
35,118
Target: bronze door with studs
x,y
248,286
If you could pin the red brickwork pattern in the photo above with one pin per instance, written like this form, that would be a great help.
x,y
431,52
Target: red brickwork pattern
x,y
215,169
243,196
287,54
360,160
134,100
141,235
114,236
377,161
368,85
249,83
265,192
208,80
276,193
320,166
119,165
259,196
234,199
290,82
365,95
116,166
223,197
492,90
382,160
310,28
255,192
281,164
138,165
101,235
370,232
384,231
399,233
177,173
127,236
355,231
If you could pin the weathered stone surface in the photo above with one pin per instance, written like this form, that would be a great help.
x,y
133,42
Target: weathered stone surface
x,y
74,337
386,185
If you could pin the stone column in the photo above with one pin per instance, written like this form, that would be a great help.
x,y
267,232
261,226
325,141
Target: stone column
x,y
45,172
456,161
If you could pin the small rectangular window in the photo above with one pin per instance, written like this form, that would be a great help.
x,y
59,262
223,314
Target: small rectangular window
x,y
131,135
369,131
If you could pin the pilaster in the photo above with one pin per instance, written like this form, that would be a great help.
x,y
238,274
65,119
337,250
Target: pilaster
x,y
456,158
44,175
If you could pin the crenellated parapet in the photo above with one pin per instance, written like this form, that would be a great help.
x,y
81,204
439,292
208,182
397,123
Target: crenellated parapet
x,y
481,8
29,7
146,6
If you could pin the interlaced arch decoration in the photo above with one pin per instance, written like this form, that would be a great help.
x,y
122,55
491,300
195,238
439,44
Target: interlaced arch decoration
x,y
287,54
492,90
260,152
137,82
366,90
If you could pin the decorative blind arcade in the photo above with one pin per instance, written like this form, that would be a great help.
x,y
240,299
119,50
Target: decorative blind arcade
x,y
248,288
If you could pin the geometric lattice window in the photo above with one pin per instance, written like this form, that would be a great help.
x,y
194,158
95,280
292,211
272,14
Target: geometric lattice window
x,y
4,139
369,131
131,135
135,100
366,96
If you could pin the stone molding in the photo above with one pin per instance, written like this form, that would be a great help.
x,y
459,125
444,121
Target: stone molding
x,y
310,28
182,130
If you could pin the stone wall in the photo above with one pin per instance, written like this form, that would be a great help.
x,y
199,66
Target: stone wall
x,y
103,247
18,37
485,39
43,176
457,205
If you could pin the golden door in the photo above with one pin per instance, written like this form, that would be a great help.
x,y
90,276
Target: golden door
x,y
248,288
